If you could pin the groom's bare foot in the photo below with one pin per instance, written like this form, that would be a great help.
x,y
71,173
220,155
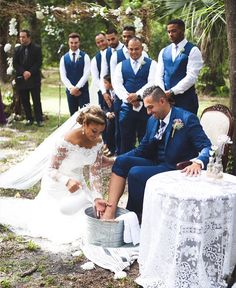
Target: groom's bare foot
x,y
109,214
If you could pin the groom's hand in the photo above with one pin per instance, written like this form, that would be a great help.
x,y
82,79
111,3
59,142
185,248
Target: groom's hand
x,y
192,170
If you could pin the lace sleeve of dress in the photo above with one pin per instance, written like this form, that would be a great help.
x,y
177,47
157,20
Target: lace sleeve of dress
x,y
95,178
61,153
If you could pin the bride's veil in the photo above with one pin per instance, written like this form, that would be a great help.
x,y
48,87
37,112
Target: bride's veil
x,y
28,172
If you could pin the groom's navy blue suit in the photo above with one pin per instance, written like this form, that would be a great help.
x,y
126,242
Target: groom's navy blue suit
x,y
153,156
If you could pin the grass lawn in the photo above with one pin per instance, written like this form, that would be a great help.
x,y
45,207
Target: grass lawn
x,y
52,92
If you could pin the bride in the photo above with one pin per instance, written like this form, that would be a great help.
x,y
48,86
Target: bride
x,y
57,212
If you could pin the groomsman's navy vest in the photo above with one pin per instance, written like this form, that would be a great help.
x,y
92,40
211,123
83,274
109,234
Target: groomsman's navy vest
x,y
74,71
98,57
134,82
174,72
120,56
108,58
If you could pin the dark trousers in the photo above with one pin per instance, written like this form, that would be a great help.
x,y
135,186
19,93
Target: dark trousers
x,y
132,126
25,98
138,170
110,135
3,119
76,102
103,105
117,105
100,99
188,100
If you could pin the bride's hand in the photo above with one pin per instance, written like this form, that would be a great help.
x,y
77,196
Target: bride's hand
x,y
73,185
100,206
106,161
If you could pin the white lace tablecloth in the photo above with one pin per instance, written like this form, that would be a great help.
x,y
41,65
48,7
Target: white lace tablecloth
x,y
188,233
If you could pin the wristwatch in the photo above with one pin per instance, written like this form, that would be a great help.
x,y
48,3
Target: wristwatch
x,y
139,98
171,92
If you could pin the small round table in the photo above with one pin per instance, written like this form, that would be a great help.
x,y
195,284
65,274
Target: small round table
x,y
188,232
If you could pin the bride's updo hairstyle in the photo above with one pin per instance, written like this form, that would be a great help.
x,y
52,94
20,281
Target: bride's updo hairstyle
x,y
91,114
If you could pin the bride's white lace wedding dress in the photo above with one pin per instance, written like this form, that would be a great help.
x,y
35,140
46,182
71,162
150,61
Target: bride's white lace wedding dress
x,y
55,214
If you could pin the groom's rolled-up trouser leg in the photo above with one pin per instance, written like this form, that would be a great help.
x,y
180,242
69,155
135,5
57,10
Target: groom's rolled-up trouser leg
x,y
137,179
124,163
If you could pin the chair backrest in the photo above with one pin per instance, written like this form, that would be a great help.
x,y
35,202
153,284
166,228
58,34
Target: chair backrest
x,y
217,120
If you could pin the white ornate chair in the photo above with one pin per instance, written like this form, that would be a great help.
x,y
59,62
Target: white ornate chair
x,y
216,120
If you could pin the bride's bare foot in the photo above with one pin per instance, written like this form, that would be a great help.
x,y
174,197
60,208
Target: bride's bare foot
x,y
109,214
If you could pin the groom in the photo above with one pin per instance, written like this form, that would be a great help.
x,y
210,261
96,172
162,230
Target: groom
x,y
172,135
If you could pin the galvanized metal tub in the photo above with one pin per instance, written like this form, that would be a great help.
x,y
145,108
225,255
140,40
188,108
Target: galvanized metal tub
x,y
105,233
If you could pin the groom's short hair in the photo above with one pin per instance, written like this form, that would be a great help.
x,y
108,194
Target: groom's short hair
x,y
156,92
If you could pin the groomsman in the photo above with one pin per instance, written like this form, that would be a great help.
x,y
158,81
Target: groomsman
x,y
96,62
123,53
74,71
132,76
114,45
178,67
118,56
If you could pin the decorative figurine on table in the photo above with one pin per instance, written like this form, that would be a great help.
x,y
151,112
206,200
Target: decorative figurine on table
x,y
215,167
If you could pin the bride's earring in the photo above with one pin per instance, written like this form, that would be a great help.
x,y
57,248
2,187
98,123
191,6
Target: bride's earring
x,y
83,130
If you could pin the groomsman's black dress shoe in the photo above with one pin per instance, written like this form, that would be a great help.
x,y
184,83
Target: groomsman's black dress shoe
x,y
29,122
40,124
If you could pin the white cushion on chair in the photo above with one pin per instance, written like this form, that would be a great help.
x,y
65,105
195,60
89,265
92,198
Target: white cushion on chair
x,y
215,123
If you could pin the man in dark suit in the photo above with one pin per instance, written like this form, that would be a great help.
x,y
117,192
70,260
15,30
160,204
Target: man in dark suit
x,y
27,61
172,135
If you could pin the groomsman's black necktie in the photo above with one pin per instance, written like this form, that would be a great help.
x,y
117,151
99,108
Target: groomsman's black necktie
x,y
73,54
26,54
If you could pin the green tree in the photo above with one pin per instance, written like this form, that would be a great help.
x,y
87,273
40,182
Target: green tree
x,y
230,11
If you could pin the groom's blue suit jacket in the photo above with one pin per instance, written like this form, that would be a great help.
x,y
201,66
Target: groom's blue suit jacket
x,y
188,142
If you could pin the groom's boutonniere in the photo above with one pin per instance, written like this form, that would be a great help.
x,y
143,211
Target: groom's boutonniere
x,y
141,65
177,125
182,51
79,56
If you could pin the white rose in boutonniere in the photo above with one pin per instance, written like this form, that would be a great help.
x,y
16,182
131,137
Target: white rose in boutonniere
x,y
177,125
141,64
79,56
182,51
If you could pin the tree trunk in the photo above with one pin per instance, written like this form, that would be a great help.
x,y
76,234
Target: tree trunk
x,y
230,12
3,41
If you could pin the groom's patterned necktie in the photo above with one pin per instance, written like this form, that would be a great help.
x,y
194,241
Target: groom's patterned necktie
x,y
161,130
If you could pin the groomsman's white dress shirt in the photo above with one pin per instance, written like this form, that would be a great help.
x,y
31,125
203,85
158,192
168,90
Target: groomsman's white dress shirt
x,y
195,63
119,88
86,72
